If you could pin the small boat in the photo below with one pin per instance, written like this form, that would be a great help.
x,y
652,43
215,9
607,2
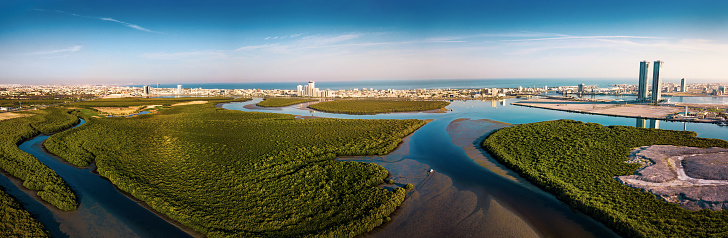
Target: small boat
x,y
723,124
432,170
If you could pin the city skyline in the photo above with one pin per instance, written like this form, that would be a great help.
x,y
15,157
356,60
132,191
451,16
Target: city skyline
x,y
98,42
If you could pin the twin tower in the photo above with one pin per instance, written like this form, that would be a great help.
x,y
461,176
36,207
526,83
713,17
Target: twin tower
x,y
656,84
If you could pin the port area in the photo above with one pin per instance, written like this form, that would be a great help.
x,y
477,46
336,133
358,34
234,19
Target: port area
x,y
704,113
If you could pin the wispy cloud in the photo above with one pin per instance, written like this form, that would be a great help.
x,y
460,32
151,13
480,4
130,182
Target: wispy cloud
x,y
127,24
135,26
56,51
190,55
255,47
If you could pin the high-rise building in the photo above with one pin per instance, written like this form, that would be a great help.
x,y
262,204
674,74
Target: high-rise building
x,y
581,88
656,83
179,88
311,89
146,90
682,85
299,90
642,87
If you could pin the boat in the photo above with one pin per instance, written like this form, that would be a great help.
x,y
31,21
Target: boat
x,y
723,124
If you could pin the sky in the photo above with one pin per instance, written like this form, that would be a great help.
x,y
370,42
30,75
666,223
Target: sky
x,y
132,42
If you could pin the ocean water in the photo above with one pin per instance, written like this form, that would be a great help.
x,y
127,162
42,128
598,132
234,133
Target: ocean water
x,y
409,84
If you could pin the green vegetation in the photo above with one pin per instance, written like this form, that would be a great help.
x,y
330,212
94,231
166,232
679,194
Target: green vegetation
x,y
39,100
128,102
577,162
35,174
377,106
282,102
16,221
247,174
409,186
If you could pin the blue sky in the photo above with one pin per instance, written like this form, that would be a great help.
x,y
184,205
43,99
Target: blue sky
x,y
252,41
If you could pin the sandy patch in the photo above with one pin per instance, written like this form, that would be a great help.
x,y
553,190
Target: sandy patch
x,y
663,173
11,115
189,103
119,110
604,108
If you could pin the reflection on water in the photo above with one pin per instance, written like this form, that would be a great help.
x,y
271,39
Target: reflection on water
x,y
654,124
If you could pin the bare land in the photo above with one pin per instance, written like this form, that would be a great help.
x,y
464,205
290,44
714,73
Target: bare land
x,y
119,110
603,108
189,103
692,177
10,115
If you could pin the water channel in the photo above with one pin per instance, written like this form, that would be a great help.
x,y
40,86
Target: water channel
x,y
458,183
103,210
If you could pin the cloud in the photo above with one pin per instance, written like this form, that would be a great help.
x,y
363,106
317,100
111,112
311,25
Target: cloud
x,y
127,24
135,26
255,47
190,55
56,51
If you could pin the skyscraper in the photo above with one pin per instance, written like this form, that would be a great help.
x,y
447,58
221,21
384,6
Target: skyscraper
x,y
682,85
581,88
642,87
656,84
299,90
179,88
146,90
311,89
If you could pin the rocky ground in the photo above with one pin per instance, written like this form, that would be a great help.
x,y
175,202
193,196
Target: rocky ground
x,y
693,177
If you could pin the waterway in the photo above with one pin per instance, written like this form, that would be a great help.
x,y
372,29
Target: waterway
x,y
460,198
103,210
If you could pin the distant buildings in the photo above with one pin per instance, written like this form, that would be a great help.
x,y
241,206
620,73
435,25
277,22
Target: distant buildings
x,y
682,85
581,88
146,90
179,88
656,83
642,87
310,90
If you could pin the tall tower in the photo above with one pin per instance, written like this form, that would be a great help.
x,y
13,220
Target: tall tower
x,y
642,86
299,90
179,88
682,85
656,84
311,91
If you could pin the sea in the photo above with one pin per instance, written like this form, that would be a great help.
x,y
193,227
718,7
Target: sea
x,y
410,84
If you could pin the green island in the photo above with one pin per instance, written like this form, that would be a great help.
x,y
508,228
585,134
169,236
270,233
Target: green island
x,y
16,221
244,174
282,102
377,106
35,174
577,162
